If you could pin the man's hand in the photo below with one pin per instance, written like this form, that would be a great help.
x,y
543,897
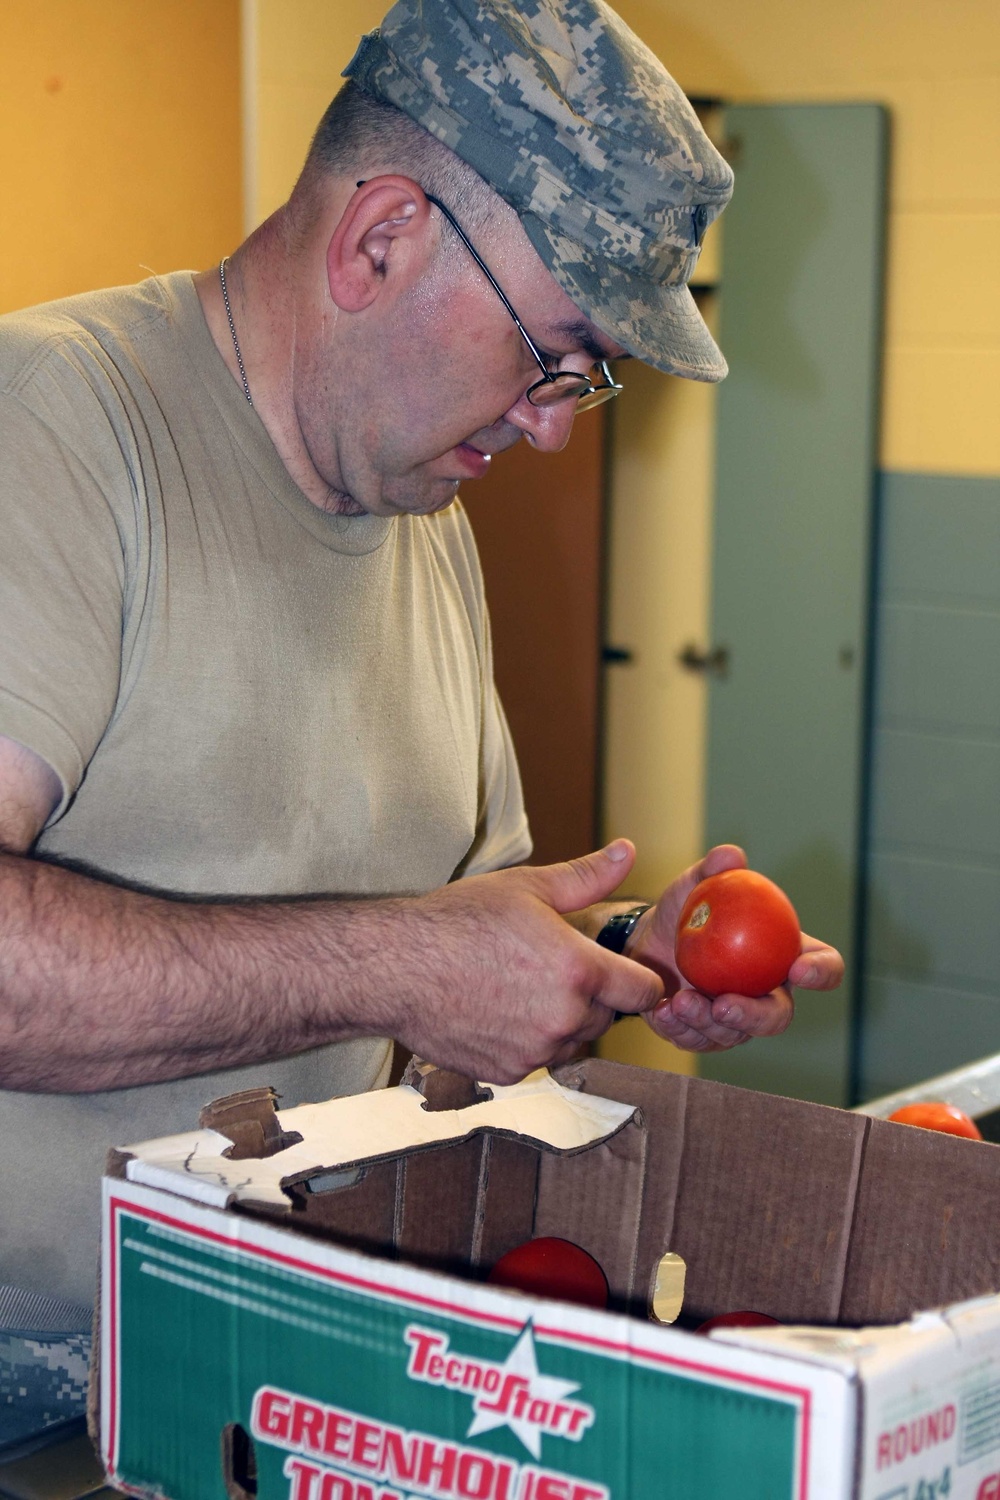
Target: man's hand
x,y
498,984
105,987
694,1021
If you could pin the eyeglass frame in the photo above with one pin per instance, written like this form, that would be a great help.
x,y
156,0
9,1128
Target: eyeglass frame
x,y
587,389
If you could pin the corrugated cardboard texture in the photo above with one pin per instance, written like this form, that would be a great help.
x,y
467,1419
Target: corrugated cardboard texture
x,y
765,1203
808,1213
662,1099
250,1121
443,1090
506,1212
594,1199
362,1215
440,1204
925,1224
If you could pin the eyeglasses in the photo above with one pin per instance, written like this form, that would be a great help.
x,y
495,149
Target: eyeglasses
x,y
555,385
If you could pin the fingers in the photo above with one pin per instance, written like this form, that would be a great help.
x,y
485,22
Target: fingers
x,y
592,1020
596,1022
605,985
584,881
626,987
699,1024
657,939
721,857
818,967
767,1016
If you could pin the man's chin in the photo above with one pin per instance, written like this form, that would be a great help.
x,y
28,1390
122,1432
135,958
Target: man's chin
x,y
414,500
443,493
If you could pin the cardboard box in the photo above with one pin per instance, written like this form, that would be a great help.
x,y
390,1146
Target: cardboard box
x,y
304,1319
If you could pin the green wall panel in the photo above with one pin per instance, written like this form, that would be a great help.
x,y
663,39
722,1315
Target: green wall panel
x,y
932,954
796,437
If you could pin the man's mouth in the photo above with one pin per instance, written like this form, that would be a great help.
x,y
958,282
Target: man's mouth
x,y
475,462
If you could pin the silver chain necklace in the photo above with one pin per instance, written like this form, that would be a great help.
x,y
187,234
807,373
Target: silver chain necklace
x,y
232,329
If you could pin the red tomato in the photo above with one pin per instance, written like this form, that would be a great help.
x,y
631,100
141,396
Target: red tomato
x,y
936,1116
736,1320
550,1267
737,934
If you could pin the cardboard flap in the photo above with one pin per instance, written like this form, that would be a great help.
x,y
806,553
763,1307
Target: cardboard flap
x,y
508,1191
444,1090
354,1207
756,1193
595,1201
765,1203
438,1211
924,1229
662,1100
366,1128
249,1118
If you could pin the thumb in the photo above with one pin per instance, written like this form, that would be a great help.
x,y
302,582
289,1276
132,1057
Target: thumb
x,y
584,881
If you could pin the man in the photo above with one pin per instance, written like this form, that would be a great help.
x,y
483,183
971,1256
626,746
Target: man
x,y
257,795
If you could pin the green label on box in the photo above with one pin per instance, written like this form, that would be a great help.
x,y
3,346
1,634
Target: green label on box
x,y
359,1380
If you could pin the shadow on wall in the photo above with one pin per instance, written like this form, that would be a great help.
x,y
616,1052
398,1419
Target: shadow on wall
x,y
770,347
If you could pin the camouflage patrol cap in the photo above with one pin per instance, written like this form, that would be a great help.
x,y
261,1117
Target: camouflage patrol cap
x,y
572,120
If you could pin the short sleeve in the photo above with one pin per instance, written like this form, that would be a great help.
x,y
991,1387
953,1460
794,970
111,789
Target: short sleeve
x,y
62,569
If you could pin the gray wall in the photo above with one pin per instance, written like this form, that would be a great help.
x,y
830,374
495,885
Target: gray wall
x,y
932,969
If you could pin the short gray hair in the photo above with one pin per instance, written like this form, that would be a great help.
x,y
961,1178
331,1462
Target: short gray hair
x,y
360,135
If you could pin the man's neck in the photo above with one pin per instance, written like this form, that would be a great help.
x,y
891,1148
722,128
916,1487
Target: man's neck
x,y
262,291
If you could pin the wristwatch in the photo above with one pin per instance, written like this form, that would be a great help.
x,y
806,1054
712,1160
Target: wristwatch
x,y
618,929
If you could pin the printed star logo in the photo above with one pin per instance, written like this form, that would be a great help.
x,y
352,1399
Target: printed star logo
x,y
526,1401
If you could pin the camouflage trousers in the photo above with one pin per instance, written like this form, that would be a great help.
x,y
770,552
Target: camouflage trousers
x,y
44,1361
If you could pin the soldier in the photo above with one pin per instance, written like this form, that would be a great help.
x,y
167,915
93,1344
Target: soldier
x,y
259,803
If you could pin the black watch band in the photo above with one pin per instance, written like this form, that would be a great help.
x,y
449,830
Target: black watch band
x,y
618,929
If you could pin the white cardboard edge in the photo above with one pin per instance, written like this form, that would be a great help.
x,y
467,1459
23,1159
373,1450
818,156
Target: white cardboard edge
x,y
198,1189
360,1127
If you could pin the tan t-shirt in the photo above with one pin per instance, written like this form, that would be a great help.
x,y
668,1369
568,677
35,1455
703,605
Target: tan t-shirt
x,y
240,694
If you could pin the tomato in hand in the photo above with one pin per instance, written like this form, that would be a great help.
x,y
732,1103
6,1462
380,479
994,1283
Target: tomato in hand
x,y
737,1320
551,1267
937,1116
737,934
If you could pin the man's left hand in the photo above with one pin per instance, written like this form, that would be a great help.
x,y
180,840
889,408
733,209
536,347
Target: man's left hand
x,y
694,1021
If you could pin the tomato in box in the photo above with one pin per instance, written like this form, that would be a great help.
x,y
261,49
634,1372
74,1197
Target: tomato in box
x,y
745,1319
935,1115
737,934
551,1267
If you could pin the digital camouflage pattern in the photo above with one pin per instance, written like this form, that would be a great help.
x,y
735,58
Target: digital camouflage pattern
x,y
44,1357
573,121
43,1382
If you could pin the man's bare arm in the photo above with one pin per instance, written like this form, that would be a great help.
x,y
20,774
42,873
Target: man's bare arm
x,y
104,987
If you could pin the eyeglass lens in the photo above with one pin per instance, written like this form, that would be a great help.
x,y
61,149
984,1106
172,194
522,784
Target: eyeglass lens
x,y
553,392
566,384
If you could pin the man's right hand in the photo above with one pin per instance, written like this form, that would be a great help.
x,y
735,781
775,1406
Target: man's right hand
x,y
497,983
104,987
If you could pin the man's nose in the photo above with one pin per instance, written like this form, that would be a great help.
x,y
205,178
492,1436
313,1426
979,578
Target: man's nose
x,y
547,428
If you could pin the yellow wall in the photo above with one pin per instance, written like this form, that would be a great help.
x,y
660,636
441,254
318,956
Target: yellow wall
x,y
937,66
120,141
299,50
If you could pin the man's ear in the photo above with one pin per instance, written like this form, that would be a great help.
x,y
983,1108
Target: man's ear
x,y
384,226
